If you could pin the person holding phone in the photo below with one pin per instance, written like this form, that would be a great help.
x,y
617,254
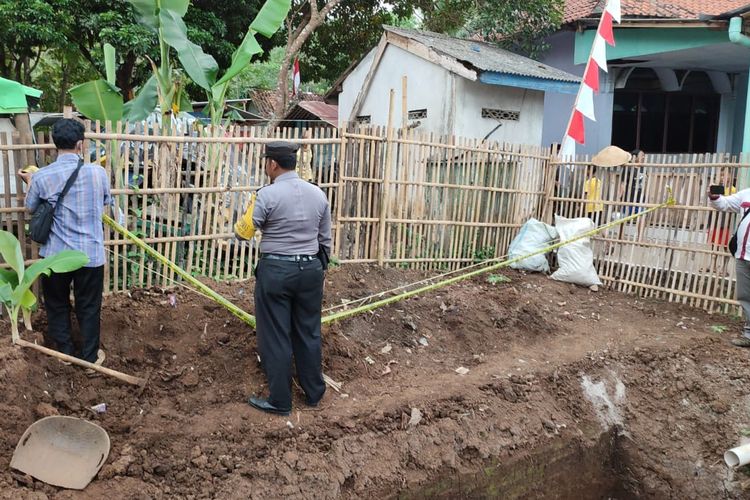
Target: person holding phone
x,y
77,225
738,202
719,233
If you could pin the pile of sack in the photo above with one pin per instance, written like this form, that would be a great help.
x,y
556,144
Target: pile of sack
x,y
575,260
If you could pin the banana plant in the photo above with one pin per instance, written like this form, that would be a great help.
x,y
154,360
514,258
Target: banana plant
x,y
16,282
101,100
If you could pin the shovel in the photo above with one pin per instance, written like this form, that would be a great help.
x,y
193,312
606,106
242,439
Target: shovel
x,y
62,451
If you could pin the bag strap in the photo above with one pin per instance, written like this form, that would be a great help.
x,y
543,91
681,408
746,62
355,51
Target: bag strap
x,y
743,217
70,182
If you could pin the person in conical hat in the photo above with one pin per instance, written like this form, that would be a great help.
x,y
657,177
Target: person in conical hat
x,y
611,156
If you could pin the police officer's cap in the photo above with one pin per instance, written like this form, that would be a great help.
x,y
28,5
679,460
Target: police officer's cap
x,y
281,150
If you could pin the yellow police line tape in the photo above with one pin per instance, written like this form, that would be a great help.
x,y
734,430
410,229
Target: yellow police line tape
x,y
380,303
250,319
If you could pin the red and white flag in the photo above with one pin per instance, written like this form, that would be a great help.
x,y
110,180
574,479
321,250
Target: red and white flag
x,y
295,78
584,103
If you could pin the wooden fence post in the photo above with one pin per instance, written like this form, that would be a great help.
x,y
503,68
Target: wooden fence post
x,y
341,173
549,185
385,192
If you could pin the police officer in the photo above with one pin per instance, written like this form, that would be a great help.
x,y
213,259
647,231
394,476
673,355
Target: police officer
x,y
295,220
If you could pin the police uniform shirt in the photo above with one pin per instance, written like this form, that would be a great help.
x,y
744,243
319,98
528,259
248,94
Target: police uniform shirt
x,y
294,217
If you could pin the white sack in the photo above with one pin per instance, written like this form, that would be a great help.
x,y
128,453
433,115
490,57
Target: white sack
x,y
576,260
534,236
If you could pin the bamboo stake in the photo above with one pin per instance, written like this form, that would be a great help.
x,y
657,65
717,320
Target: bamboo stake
x,y
247,318
376,153
340,190
404,108
130,379
385,195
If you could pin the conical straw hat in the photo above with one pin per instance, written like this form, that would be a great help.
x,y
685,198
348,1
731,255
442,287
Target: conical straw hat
x,y
611,156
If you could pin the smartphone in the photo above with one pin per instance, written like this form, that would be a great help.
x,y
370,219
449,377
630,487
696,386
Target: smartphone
x,y
717,189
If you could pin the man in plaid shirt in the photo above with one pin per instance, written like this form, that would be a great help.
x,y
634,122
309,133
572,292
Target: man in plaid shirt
x,y
77,225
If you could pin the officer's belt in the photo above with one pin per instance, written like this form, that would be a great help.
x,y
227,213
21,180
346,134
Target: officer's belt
x,y
289,258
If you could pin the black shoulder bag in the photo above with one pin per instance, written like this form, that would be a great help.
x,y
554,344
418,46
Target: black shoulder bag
x,y
732,245
41,219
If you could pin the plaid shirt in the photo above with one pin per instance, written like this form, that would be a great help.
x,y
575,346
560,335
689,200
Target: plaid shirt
x,y
77,224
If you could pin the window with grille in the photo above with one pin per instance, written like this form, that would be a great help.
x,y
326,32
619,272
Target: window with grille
x,y
417,114
364,119
500,114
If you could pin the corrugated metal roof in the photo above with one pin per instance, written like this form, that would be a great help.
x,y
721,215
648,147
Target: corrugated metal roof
x,y
484,56
328,113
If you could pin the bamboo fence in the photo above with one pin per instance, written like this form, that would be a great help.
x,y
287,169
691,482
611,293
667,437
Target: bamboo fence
x,y
398,197
678,254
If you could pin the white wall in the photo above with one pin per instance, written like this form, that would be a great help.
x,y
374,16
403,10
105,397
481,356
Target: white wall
x,y
351,85
428,87
473,96
431,87
6,127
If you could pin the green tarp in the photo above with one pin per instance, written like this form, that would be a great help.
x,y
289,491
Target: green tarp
x,y
13,96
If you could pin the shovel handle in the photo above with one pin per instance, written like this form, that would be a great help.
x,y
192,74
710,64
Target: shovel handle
x,y
130,379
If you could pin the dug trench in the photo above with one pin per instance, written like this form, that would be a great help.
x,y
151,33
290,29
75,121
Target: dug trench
x,y
569,394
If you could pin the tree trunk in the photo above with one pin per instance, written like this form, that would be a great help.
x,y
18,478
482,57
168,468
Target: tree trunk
x,y
295,41
124,78
64,81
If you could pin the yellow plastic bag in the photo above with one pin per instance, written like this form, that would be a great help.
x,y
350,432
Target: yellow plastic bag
x,y
244,228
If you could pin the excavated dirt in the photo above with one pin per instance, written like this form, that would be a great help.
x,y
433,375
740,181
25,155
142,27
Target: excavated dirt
x,y
569,394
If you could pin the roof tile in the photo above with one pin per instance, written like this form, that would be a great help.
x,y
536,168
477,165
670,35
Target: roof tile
x,y
665,9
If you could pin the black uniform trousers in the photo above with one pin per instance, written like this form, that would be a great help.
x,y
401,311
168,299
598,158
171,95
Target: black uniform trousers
x,y
88,284
288,300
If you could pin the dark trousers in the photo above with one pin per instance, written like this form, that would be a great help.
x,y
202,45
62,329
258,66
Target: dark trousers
x,y
288,299
88,284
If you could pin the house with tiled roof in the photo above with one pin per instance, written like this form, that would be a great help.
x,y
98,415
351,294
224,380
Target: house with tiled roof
x,y
677,79
453,87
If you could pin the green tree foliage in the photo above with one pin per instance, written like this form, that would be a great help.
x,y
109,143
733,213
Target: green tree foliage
x,y
101,99
27,29
265,74
517,25
210,24
58,70
352,29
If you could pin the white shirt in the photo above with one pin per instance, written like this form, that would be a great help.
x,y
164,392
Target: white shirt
x,y
738,202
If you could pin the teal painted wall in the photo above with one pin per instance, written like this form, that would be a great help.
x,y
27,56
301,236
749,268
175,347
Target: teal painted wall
x,y
739,111
638,42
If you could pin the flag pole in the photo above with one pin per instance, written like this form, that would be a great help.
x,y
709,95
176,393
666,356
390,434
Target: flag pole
x,y
566,136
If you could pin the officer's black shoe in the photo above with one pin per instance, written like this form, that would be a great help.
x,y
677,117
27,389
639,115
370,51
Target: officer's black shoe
x,y
262,404
312,404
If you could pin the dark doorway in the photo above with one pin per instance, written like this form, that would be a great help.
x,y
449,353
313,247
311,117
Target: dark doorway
x,y
647,118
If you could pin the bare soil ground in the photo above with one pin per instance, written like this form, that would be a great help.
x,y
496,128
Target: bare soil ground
x,y
569,394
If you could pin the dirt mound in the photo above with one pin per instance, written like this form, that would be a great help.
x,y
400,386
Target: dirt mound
x,y
405,419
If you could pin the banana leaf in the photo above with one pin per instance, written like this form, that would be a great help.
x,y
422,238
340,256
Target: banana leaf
x,y
110,63
241,57
63,262
201,67
144,103
10,250
271,15
98,100
148,10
